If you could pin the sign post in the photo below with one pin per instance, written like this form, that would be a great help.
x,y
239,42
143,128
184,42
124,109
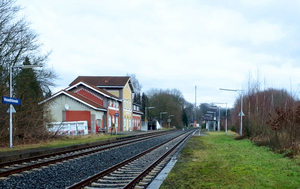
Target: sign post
x,y
11,101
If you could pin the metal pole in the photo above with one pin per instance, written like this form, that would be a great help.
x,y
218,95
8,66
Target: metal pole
x,y
241,129
215,120
219,120
160,120
10,108
169,122
226,121
145,114
195,119
241,113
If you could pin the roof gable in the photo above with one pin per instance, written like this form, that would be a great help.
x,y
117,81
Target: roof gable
x,y
95,89
111,81
105,81
78,98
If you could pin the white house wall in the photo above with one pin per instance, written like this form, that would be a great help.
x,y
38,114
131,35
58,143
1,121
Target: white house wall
x,y
57,106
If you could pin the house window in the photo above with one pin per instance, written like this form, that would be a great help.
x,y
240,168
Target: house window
x,y
109,121
99,122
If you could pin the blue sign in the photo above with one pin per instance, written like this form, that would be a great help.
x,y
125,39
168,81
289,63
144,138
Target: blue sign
x,y
116,114
8,100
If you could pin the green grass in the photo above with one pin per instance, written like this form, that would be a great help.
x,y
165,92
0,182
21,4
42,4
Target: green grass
x,y
61,142
219,161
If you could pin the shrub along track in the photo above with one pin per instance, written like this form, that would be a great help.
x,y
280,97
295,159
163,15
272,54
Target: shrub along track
x,y
70,171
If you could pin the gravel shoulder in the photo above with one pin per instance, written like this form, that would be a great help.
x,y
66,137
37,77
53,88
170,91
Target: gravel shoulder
x,y
13,155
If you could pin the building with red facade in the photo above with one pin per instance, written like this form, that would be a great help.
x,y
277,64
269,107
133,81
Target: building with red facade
x,y
104,102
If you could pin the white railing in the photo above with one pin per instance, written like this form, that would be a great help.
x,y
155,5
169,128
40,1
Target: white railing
x,y
68,128
144,126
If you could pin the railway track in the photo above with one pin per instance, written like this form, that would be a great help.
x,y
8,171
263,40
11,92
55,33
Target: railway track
x,y
65,173
10,168
137,171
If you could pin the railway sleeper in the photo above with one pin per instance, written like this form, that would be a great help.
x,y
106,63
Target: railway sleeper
x,y
147,179
139,187
108,185
124,176
127,172
133,168
114,181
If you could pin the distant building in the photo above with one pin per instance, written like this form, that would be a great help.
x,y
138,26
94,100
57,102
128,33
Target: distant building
x,y
102,101
137,117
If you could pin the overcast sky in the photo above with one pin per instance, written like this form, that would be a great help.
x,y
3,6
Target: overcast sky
x,y
173,44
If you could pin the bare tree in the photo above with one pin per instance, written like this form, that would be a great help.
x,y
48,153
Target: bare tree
x,y
137,89
170,101
18,42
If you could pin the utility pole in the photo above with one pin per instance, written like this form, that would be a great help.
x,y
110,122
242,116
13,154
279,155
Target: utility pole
x,y
195,102
241,114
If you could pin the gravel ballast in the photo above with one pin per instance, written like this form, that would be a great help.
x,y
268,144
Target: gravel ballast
x,y
67,173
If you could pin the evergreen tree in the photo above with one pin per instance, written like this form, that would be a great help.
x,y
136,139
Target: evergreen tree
x,y
28,89
29,118
18,41
185,119
144,104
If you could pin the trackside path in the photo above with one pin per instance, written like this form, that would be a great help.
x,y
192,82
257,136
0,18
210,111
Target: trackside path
x,y
219,161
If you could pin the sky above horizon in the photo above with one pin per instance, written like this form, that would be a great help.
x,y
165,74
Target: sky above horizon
x,y
173,44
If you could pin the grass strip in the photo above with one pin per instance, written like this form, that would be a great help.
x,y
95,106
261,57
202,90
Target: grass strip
x,y
220,161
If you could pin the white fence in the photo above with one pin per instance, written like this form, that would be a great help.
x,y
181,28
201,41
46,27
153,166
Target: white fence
x,y
144,126
68,128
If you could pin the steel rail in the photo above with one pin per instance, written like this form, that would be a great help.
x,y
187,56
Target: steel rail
x,y
90,179
40,164
154,164
118,140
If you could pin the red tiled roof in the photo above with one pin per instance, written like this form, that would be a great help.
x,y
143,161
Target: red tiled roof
x,y
98,89
75,96
82,98
116,81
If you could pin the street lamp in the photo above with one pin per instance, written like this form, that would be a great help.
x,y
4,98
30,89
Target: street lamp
x,y
225,114
169,120
160,116
241,112
10,95
147,108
